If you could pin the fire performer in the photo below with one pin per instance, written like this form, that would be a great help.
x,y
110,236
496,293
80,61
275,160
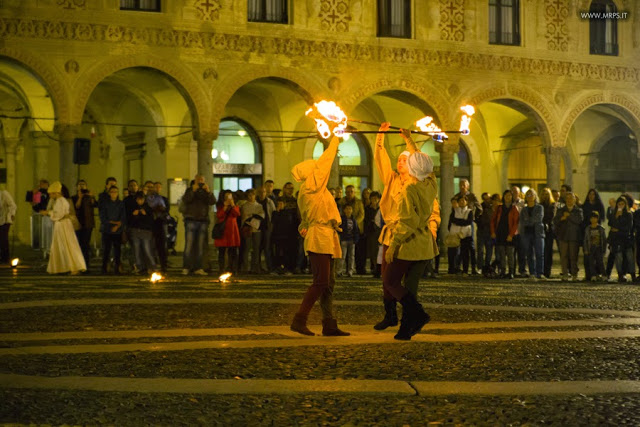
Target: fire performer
x,y
319,225
408,202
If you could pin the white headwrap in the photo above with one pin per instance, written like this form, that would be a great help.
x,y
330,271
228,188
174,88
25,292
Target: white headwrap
x,y
420,165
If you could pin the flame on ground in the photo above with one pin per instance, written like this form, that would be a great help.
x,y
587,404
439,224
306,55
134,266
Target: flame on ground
x,y
155,277
15,262
329,119
224,278
465,120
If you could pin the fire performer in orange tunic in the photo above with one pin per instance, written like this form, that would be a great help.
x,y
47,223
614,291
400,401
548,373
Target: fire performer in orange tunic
x,y
319,225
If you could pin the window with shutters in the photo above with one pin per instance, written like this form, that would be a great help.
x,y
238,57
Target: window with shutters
x,y
504,22
274,11
603,32
394,18
141,5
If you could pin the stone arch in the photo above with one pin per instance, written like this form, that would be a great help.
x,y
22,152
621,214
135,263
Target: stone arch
x,y
631,107
418,87
309,88
598,143
185,80
522,94
51,78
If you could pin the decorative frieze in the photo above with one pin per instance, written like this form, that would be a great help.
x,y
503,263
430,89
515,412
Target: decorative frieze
x,y
208,10
310,49
72,4
556,13
335,15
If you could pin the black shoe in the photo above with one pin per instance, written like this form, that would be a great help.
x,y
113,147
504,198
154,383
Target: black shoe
x,y
413,318
390,316
474,272
330,329
299,325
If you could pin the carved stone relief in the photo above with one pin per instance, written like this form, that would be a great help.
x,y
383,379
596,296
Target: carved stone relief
x,y
452,20
556,13
335,15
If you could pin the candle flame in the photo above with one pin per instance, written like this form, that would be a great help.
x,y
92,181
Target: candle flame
x,y
224,277
155,277
329,119
15,262
426,125
465,120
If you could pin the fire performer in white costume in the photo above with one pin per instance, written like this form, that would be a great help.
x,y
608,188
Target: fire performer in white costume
x,y
319,225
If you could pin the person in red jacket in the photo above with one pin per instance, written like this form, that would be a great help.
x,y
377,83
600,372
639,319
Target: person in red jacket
x,y
228,245
504,227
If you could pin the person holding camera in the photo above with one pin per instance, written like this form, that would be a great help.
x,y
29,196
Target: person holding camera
x,y
197,200
84,202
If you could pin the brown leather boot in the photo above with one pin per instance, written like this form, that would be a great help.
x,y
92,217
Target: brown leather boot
x,y
299,325
330,329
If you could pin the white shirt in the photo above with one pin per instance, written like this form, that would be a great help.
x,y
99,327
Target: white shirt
x,y
7,208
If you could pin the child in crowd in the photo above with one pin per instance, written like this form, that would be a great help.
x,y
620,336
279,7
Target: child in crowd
x,y
460,223
595,244
141,234
348,239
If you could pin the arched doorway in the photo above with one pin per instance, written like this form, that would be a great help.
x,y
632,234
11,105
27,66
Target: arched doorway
x,y
617,166
237,157
354,160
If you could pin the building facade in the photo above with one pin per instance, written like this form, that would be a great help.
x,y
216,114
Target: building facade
x,y
163,89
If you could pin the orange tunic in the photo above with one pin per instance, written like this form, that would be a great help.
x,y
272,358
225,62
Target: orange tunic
x,y
393,187
318,209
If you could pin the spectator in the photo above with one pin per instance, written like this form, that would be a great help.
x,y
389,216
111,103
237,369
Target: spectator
x,y
372,232
140,222
567,221
521,261
338,193
531,230
198,200
349,235
594,246
361,244
228,245
66,255
130,205
266,227
550,206
460,222
564,189
113,220
252,216
160,215
358,214
622,240
290,224
485,243
593,203
433,265
7,216
636,227
279,236
104,196
476,207
84,204
40,196
268,186
504,227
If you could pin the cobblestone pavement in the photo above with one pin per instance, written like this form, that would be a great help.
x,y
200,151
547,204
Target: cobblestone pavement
x,y
190,351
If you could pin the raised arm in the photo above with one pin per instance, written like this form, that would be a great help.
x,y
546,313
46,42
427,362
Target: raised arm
x,y
411,146
381,157
319,178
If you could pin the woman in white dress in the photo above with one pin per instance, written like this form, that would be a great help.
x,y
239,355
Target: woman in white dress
x,y
66,255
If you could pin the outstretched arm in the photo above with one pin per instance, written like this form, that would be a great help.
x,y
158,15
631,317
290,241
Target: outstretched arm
x,y
320,176
381,157
411,146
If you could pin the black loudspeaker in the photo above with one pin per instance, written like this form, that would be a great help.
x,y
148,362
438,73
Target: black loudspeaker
x,y
81,151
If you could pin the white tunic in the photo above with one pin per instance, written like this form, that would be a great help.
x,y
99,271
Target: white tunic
x,y
65,253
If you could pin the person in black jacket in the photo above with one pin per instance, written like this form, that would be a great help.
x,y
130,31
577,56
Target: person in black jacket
x,y
140,224
621,239
568,221
113,220
592,203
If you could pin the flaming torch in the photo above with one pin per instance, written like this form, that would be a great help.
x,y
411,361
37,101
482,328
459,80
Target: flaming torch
x,y
329,119
15,262
156,277
224,278
427,126
465,120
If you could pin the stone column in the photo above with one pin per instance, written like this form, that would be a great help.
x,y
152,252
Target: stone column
x,y
447,152
553,167
11,148
68,170
41,145
205,162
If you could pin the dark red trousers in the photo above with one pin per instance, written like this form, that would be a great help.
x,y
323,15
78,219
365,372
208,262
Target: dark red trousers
x,y
324,280
392,275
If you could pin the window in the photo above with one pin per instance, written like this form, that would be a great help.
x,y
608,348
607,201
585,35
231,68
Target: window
x,y
394,18
504,22
142,5
353,160
603,33
268,11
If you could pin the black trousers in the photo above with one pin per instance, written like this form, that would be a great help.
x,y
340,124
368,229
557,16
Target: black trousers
x,y
4,243
160,238
111,241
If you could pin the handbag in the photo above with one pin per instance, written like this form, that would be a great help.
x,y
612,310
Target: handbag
x,y
218,229
452,240
246,230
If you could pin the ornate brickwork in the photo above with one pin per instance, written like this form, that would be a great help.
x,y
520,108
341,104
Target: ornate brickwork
x,y
72,4
311,49
208,10
452,20
556,13
335,15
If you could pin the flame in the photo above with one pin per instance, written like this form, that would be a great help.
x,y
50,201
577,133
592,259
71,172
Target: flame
x,y
224,277
155,277
15,262
329,119
465,120
426,124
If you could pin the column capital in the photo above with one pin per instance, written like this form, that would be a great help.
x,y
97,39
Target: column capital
x,y
205,137
447,150
11,143
67,131
40,139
